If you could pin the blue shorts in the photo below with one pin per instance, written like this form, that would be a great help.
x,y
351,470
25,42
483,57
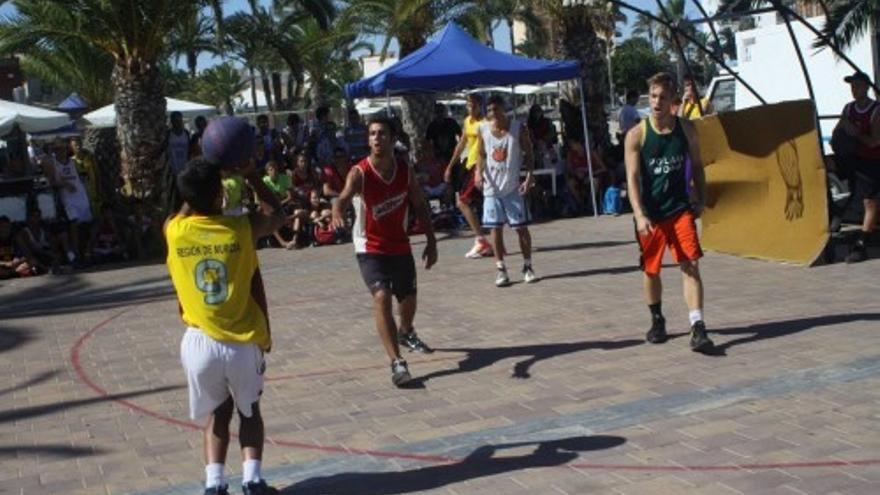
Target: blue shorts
x,y
510,209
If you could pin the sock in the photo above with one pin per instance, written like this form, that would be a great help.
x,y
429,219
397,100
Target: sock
x,y
695,316
862,238
500,265
71,256
656,311
250,471
214,475
527,262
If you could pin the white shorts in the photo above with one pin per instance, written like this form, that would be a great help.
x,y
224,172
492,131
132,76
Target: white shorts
x,y
510,209
215,370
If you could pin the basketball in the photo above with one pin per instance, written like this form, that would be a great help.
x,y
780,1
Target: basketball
x,y
228,142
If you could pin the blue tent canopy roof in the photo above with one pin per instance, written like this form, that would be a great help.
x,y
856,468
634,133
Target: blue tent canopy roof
x,y
454,60
73,102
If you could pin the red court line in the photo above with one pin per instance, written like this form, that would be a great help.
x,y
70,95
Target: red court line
x,y
75,352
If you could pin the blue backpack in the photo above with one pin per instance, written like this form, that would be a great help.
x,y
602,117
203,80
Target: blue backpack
x,y
611,202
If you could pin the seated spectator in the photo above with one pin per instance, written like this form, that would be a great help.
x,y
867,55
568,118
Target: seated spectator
x,y
578,174
11,265
280,183
303,179
334,174
293,135
107,242
429,173
40,248
233,193
319,209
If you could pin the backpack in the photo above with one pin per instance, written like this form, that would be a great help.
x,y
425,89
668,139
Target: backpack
x,y
611,201
324,235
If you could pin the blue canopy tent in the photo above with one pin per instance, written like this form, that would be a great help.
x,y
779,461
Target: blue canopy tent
x,y
453,60
73,103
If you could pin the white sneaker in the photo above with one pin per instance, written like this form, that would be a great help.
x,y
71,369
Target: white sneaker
x,y
501,278
476,252
529,275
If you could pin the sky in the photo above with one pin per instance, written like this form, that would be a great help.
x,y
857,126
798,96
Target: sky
x,y
500,34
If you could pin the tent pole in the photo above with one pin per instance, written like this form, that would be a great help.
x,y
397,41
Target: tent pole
x,y
513,98
587,148
387,104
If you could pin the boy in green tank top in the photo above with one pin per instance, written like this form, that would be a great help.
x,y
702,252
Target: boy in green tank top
x,y
657,153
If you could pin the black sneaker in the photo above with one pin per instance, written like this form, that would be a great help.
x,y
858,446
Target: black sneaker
x,y
258,488
399,373
699,340
217,490
657,333
413,342
857,254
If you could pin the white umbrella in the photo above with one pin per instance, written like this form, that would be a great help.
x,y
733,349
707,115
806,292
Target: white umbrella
x,y
30,119
106,116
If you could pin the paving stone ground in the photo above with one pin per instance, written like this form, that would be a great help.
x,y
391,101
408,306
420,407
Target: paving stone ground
x,y
539,389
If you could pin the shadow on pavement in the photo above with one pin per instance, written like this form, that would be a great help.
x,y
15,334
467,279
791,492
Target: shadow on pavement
x,y
582,245
53,451
13,337
774,329
42,410
73,294
478,464
40,378
477,359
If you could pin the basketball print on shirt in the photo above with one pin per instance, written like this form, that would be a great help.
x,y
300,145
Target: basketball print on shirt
x,y
499,153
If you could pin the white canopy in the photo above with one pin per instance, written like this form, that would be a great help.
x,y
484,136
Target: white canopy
x,y
30,119
243,101
106,116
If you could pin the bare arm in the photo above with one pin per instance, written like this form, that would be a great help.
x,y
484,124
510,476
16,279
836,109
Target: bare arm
x,y
699,174
420,206
263,223
632,156
354,183
481,162
459,149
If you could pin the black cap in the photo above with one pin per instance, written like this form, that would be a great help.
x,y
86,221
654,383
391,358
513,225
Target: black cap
x,y
857,76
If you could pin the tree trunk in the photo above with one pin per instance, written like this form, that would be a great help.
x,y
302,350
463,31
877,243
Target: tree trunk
x,y
101,142
291,98
253,89
280,102
267,89
192,62
510,32
417,113
140,128
577,40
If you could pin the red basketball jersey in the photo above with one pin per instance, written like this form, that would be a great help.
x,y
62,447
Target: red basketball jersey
x,y
382,211
862,120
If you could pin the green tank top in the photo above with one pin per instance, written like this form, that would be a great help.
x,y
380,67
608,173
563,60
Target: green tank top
x,y
663,180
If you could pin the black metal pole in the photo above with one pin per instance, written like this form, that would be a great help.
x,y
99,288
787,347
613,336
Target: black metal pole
x,y
699,45
711,23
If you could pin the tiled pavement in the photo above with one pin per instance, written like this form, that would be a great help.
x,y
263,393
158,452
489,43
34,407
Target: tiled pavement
x,y
542,389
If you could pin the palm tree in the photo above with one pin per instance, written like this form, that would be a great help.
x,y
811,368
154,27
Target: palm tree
x,y
217,86
326,57
134,34
670,40
243,42
605,23
509,12
575,38
644,26
411,22
72,66
193,34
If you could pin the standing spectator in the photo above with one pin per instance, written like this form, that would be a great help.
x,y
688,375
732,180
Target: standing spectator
x,y
543,134
322,140
860,120
294,134
628,116
267,139
303,179
11,265
195,141
88,171
469,195
442,134
178,144
692,106
73,194
356,137
335,173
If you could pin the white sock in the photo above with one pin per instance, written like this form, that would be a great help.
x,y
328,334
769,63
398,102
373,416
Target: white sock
x,y
695,316
500,265
214,475
250,471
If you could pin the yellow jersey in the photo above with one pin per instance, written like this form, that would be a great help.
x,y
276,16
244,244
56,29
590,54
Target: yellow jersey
x,y
691,111
214,269
471,134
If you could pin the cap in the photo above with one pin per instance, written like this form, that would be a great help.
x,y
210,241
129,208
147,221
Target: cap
x,y
857,76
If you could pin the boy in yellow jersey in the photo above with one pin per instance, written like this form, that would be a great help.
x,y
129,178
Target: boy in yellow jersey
x,y
213,266
469,193
692,106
